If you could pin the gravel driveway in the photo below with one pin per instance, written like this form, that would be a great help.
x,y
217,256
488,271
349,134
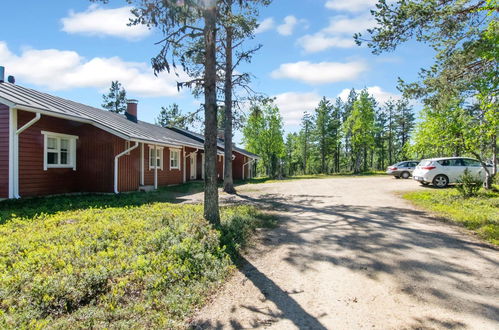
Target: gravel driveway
x,y
350,254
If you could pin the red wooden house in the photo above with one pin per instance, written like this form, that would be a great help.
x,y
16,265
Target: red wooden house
x,y
50,145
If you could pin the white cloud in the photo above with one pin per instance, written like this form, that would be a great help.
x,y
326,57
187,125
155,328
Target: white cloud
x,y
320,73
97,21
339,33
63,69
351,5
293,105
379,94
347,25
313,43
286,29
265,25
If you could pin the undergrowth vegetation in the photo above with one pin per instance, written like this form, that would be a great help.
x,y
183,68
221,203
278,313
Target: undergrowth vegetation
x,y
145,266
479,213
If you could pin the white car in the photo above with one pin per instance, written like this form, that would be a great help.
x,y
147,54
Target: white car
x,y
442,171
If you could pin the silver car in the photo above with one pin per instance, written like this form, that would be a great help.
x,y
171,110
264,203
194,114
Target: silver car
x,y
402,169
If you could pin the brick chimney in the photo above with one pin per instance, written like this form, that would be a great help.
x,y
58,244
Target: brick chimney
x,y
131,110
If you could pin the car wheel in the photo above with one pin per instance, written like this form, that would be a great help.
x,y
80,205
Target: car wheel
x,y
440,181
405,175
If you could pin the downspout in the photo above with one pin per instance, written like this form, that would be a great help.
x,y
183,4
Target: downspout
x,y
16,148
185,162
249,161
142,164
156,167
116,158
184,157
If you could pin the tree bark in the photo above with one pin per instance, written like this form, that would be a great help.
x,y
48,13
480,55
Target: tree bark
x,y
228,180
211,211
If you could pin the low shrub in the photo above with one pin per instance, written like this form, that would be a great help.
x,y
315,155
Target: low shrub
x,y
145,267
479,213
468,184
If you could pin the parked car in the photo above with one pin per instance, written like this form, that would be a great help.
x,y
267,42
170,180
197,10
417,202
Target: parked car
x,y
402,169
443,171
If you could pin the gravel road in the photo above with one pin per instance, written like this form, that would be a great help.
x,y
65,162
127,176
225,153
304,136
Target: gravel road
x,y
350,254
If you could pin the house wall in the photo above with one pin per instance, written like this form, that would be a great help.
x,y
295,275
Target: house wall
x,y
166,176
237,166
4,151
220,167
95,152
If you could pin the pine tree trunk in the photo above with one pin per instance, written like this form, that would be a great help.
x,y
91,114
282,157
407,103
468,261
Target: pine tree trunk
x,y
211,211
228,180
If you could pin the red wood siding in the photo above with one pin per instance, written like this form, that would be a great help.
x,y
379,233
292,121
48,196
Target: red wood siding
x,y
220,167
237,166
95,154
129,166
4,151
33,180
166,176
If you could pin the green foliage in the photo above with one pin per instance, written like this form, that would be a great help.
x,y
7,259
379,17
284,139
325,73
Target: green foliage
x,y
360,126
140,267
462,84
172,116
263,134
468,185
115,100
479,214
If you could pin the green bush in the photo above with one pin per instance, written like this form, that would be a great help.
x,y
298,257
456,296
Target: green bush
x,y
146,266
468,184
479,214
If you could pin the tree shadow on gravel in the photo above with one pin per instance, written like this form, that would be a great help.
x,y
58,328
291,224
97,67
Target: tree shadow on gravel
x,y
288,308
431,264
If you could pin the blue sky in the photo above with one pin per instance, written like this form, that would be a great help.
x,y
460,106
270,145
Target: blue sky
x,y
74,49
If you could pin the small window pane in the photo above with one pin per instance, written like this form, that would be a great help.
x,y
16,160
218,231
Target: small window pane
x,y
64,144
52,143
52,158
64,158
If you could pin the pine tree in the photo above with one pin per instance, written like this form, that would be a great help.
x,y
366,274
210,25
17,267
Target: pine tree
x,y
115,100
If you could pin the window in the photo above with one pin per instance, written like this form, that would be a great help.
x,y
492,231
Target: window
x,y
471,163
59,150
174,159
155,161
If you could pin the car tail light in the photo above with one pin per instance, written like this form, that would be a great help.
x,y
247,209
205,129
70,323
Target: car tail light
x,y
393,168
429,168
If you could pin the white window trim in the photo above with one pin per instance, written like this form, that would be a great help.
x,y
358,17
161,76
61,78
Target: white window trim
x,y
160,151
177,151
72,149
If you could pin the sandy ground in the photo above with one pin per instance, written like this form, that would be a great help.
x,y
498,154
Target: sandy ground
x,y
350,254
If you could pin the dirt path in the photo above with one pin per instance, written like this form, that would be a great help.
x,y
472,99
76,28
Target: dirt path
x,y
349,254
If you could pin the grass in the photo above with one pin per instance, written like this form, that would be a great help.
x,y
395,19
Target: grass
x,y
31,207
479,214
105,261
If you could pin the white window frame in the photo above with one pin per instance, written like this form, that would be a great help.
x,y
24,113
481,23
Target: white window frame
x,y
160,152
71,154
177,151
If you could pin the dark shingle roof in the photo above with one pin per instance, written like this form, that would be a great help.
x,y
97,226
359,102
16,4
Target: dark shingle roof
x,y
29,99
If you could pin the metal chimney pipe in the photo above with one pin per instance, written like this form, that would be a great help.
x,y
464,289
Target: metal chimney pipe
x,y
2,74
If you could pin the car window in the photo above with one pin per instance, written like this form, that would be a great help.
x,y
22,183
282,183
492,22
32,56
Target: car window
x,y
451,162
444,162
471,163
403,164
414,164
